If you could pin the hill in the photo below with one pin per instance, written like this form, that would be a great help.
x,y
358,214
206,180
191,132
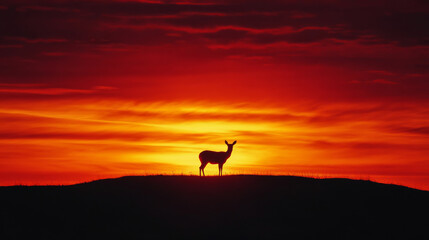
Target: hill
x,y
189,207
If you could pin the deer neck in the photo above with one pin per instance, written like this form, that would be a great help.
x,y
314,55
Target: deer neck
x,y
228,152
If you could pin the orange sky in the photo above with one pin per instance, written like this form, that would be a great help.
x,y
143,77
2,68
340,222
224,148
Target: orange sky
x,y
104,89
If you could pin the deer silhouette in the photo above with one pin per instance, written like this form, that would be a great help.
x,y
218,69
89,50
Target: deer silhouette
x,y
215,158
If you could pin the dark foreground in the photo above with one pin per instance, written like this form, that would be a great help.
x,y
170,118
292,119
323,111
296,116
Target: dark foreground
x,y
241,207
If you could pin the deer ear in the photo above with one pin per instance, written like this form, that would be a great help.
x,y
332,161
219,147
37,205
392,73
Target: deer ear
x,y
226,142
234,142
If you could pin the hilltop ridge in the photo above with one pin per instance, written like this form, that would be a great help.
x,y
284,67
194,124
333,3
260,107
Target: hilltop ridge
x,y
241,206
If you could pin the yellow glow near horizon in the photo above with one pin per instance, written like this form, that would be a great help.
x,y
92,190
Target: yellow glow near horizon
x,y
122,138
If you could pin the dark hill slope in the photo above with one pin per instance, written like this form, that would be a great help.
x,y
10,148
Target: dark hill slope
x,y
244,207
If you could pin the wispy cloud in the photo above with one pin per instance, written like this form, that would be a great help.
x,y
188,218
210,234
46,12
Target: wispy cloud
x,y
45,91
42,89
384,81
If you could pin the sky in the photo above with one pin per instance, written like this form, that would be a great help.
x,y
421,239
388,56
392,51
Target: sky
x,y
96,89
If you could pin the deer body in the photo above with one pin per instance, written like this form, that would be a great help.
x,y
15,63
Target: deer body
x,y
215,158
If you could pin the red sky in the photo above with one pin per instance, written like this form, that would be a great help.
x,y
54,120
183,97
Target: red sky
x,y
94,89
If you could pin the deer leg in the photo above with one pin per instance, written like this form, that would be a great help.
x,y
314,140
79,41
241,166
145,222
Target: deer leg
x,y
202,168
